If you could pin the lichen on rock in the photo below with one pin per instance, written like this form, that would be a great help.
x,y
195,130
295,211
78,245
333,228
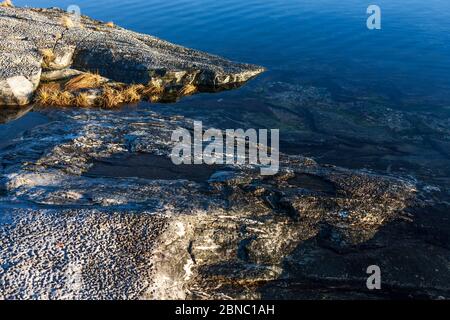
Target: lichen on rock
x,y
41,41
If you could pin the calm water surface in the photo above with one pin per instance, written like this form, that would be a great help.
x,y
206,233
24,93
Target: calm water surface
x,y
339,92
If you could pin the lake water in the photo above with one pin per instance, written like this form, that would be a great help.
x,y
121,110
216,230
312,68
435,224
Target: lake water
x,y
338,92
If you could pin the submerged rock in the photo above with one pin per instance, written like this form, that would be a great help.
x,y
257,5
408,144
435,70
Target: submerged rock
x,y
33,40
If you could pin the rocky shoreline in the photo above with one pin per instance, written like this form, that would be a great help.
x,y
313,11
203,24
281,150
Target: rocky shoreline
x,y
92,208
70,229
41,46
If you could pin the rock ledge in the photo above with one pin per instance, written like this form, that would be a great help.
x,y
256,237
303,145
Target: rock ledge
x,y
38,44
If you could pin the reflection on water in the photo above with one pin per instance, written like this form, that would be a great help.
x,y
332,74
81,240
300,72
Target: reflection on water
x,y
11,113
338,92
15,121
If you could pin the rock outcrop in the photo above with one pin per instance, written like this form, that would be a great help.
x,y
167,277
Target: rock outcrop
x,y
34,41
86,213
91,207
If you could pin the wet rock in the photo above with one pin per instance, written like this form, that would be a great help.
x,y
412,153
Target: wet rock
x,y
371,132
236,234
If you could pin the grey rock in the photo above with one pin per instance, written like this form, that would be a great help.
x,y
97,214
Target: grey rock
x,y
118,54
56,75
20,70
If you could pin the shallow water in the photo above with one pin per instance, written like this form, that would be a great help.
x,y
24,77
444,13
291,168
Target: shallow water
x,y
339,92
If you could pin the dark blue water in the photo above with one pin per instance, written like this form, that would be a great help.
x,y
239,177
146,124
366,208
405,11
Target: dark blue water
x,y
338,92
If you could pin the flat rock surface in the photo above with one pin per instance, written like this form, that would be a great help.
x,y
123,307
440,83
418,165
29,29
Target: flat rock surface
x,y
85,213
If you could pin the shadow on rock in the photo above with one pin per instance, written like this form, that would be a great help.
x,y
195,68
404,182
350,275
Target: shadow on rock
x,y
413,257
